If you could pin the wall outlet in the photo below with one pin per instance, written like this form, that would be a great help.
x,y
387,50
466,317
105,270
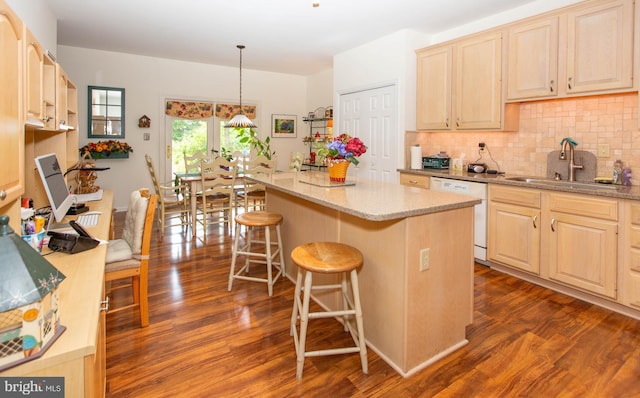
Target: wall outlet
x,y
424,259
603,151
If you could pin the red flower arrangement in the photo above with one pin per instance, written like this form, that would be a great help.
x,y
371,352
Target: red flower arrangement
x,y
345,147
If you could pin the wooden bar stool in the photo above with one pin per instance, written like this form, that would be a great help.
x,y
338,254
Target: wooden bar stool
x,y
327,258
253,220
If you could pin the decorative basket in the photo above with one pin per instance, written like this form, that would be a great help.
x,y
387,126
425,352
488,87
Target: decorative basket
x,y
338,170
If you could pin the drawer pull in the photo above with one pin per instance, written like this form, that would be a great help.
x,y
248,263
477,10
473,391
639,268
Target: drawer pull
x,y
105,305
3,195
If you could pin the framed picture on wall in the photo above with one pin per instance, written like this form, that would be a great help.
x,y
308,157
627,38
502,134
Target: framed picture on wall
x,y
283,126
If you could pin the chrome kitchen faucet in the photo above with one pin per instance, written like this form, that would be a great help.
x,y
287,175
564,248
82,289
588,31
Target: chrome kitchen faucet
x,y
572,166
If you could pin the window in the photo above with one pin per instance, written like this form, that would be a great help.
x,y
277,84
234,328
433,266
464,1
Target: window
x,y
106,112
230,141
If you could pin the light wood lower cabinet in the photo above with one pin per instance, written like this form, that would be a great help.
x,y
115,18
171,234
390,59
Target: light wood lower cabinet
x,y
583,252
583,242
514,227
414,180
570,239
630,275
95,378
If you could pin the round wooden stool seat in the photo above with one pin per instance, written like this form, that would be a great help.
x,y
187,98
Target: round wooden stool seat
x,y
326,257
261,218
257,251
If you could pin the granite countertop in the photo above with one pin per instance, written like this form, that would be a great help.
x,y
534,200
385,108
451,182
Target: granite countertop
x,y
620,192
367,199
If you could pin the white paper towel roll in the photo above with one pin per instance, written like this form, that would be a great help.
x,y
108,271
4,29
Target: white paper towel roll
x,y
416,157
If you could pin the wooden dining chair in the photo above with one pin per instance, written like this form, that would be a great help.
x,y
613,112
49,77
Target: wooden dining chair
x,y
253,194
173,205
128,257
215,202
192,162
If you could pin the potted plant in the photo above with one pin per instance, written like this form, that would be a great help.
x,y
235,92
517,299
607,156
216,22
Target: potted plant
x,y
250,137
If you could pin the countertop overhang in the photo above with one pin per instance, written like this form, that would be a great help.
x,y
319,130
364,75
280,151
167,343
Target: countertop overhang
x,y
367,199
621,192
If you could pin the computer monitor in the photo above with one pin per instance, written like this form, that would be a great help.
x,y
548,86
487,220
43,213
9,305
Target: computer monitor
x,y
54,184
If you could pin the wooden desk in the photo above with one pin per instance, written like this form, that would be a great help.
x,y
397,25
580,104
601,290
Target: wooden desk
x,y
79,354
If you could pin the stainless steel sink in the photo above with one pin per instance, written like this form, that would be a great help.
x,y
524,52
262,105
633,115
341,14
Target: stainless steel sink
x,y
567,184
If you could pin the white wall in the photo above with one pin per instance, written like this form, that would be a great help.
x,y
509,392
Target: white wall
x,y
149,81
320,90
390,59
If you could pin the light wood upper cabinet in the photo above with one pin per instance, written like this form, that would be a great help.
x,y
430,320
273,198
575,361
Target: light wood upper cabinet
x,y
600,47
433,105
61,98
479,83
585,50
34,72
11,105
459,86
49,93
533,60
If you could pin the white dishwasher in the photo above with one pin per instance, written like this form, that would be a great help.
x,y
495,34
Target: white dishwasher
x,y
476,190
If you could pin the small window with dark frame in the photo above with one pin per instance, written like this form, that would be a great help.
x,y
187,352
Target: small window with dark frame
x,y
106,112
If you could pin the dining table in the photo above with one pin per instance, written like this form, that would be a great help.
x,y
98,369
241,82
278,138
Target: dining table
x,y
194,181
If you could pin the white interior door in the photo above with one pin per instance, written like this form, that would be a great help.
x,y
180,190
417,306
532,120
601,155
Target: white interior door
x,y
371,116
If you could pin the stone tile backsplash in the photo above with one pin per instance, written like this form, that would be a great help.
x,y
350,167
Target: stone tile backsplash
x,y
605,119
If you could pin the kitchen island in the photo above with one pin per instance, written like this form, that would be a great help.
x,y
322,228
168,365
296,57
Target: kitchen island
x,y
416,284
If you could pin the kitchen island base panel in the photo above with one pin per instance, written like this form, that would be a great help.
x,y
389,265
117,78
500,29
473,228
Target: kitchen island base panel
x,y
411,317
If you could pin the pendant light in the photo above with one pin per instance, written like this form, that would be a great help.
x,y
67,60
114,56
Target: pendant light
x,y
240,120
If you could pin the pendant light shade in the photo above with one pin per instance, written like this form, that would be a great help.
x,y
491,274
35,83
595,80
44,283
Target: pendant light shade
x,y
240,120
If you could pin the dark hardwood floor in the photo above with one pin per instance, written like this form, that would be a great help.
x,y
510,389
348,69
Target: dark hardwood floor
x,y
202,341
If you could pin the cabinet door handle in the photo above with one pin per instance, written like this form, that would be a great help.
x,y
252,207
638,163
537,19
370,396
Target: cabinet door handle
x,y
458,122
168,151
105,305
551,85
569,83
3,195
535,220
446,122
553,222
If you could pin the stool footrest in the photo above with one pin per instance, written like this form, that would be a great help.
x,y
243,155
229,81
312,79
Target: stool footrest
x,y
330,314
332,351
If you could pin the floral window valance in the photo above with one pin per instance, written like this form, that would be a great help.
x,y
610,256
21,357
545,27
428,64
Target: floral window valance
x,y
227,111
189,110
